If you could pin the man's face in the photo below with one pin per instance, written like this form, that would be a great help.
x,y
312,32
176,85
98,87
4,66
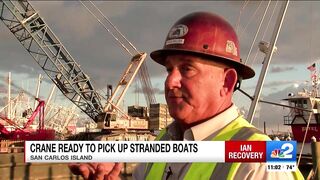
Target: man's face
x,y
193,88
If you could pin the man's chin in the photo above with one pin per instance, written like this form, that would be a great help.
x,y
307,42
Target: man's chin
x,y
177,114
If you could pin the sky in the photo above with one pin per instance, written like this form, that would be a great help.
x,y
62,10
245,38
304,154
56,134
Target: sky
x,y
146,23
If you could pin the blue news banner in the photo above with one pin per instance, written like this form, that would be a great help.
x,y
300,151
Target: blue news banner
x,y
281,155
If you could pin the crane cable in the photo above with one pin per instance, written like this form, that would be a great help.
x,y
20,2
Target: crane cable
x,y
148,91
132,46
106,28
143,71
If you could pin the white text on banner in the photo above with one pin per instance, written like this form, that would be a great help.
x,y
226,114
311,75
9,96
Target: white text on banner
x,y
124,151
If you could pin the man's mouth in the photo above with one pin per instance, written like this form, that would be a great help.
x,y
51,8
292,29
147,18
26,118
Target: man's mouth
x,y
175,94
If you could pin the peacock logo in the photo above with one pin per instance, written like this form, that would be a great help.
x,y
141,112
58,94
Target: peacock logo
x,y
277,153
281,151
285,152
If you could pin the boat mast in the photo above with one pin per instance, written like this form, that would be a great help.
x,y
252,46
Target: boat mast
x,y
267,60
37,91
53,88
9,96
314,83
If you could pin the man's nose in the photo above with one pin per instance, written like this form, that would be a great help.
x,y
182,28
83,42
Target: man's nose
x,y
173,79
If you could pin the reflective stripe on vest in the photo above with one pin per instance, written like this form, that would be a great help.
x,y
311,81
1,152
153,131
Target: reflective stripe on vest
x,y
157,168
238,129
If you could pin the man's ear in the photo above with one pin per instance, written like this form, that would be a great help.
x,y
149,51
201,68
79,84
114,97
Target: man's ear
x,y
230,80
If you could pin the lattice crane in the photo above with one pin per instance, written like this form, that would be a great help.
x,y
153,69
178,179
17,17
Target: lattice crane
x,y
44,46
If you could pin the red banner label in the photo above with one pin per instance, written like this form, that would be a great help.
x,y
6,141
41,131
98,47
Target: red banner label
x,y
245,151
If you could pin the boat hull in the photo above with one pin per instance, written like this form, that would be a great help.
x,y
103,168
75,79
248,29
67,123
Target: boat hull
x,y
299,130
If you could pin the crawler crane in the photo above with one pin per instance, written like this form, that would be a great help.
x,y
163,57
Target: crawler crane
x,y
25,23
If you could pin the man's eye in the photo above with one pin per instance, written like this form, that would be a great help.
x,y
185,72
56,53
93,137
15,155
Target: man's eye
x,y
187,68
188,71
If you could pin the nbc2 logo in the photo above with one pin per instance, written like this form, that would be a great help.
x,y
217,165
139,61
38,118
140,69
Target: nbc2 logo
x,y
281,151
284,152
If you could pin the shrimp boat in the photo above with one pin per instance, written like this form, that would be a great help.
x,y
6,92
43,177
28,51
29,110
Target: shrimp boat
x,y
298,117
304,116
304,119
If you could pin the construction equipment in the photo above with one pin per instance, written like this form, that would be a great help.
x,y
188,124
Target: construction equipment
x,y
43,45
25,133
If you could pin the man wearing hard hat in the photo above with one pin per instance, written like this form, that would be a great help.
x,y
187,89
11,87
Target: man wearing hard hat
x,y
202,58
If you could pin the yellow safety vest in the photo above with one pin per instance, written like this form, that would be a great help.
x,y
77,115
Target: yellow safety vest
x,y
239,129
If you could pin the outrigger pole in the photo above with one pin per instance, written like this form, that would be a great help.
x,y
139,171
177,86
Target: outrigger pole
x,y
267,60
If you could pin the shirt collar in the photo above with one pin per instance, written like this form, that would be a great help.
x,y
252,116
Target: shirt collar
x,y
213,125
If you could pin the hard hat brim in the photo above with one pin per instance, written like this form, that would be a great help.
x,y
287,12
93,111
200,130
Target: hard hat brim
x,y
244,71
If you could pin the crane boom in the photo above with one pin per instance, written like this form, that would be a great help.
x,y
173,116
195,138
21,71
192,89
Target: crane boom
x,y
146,85
46,49
125,81
127,46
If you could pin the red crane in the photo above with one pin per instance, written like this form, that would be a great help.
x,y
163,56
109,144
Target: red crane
x,y
25,133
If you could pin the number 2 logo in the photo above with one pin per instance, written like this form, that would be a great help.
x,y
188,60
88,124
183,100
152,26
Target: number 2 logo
x,y
288,148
